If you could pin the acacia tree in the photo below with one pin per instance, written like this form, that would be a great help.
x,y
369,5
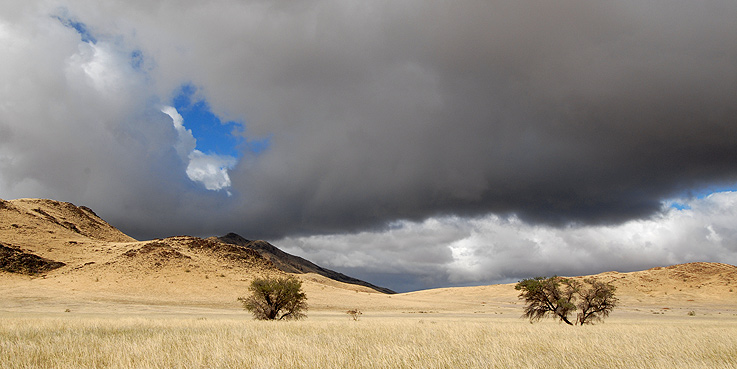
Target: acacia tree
x,y
596,301
558,297
544,296
276,299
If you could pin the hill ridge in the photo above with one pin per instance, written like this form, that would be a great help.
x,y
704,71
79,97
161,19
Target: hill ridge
x,y
55,233
294,264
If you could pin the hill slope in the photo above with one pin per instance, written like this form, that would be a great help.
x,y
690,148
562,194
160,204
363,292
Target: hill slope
x,y
54,255
55,219
69,249
294,264
691,282
57,232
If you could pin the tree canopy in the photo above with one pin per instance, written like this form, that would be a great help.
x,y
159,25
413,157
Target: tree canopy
x,y
560,297
276,299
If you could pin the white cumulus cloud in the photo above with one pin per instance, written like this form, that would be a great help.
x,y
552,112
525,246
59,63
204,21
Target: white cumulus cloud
x,y
495,249
211,170
186,142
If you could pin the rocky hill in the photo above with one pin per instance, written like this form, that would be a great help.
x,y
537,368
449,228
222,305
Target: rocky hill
x,y
293,264
60,240
57,219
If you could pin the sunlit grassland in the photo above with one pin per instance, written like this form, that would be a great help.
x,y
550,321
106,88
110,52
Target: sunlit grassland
x,y
79,341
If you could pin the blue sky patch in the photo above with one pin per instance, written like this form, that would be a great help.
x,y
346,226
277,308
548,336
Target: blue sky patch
x,y
700,193
213,136
78,26
680,206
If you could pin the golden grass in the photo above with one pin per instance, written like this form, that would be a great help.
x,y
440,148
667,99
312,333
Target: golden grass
x,y
108,341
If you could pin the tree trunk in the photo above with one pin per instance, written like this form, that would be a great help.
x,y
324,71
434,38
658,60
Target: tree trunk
x,y
565,319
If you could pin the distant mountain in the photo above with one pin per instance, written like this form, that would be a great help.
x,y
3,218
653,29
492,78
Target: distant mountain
x,y
293,264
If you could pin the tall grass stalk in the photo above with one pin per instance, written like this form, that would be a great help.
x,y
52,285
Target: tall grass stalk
x,y
176,342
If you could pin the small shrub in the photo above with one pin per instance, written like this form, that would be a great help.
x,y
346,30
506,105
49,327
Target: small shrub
x,y
354,314
691,313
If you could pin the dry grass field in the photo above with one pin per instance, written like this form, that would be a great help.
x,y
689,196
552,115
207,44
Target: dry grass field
x,y
116,302
331,341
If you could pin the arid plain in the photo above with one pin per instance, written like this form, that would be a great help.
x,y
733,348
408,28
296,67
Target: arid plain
x,y
171,303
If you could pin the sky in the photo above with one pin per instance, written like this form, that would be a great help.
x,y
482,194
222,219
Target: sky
x,y
414,144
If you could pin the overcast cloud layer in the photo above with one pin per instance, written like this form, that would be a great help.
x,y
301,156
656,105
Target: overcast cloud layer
x,y
485,120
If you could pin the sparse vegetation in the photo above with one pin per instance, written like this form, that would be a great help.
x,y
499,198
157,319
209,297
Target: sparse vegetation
x,y
354,313
117,342
276,299
560,297
14,260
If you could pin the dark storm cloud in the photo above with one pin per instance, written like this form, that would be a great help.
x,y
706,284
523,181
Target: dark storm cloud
x,y
559,112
